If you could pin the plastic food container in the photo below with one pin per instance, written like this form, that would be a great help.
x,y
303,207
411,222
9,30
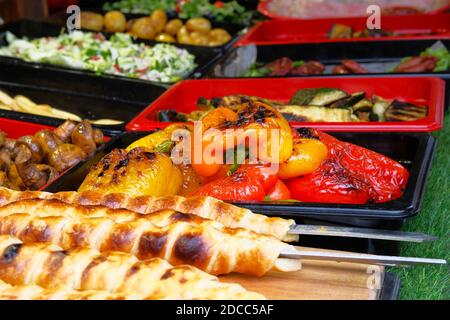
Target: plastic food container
x,y
415,151
33,29
377,56
415,27
420,90
233,29
82,104
335,8
16,129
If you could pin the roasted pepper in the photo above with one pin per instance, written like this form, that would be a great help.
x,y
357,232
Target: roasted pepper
x,y
135,173
257,122
155,139
278,192
240,186
350,174
248,182
307,156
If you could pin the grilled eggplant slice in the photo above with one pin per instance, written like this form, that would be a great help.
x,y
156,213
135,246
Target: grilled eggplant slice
x,y
340,31
233,101
404,111
349,101
317,96
315,114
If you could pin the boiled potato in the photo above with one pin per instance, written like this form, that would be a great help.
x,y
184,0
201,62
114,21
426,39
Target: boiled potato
x,y
115,21
164,37
220,34
159,19
143,28
183,36
130,24
198,24
199,39
91,21
173,26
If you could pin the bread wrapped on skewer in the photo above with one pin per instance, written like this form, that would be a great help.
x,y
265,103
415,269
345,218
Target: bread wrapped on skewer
x,y
33,292
206,207
206,245
50,267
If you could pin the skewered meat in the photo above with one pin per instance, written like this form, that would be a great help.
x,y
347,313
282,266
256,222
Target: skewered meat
x,y
417,64
280,67
206,207
349,66
85,269
308,68
178,238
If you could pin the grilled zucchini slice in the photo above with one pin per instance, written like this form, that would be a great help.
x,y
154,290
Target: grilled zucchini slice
x,y
315,114
340,31
363,105
379,107
317,96
404,111
349,101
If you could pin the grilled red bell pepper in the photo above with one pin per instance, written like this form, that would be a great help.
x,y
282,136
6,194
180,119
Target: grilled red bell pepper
x,y
350,174
278,192
248,183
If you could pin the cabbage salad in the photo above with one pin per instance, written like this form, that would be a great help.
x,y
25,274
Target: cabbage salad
x,y
117,56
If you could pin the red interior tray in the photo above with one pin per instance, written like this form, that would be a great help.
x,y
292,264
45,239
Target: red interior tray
x,y
263,8
15,129
421,90
316,30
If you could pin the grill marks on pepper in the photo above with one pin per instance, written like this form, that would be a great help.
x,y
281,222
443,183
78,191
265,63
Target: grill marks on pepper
x,y
121,160
254,112
308,133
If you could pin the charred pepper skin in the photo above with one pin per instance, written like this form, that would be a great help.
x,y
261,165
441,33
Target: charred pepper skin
x,y
352,175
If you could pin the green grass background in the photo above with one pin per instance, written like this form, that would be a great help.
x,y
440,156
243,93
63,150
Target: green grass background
x,y
431,282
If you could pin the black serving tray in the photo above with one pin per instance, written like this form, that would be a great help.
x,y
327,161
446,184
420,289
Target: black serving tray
x,y
331,53
34,29
390,290
85,106
415,151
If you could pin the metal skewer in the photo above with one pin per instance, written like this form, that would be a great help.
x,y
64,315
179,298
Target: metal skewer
x,y
366,233
358,258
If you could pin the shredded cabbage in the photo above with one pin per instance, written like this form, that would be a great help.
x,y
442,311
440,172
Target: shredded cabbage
x,y
118,56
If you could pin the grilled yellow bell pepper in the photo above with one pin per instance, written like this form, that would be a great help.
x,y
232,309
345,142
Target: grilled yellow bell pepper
x,y
307,156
